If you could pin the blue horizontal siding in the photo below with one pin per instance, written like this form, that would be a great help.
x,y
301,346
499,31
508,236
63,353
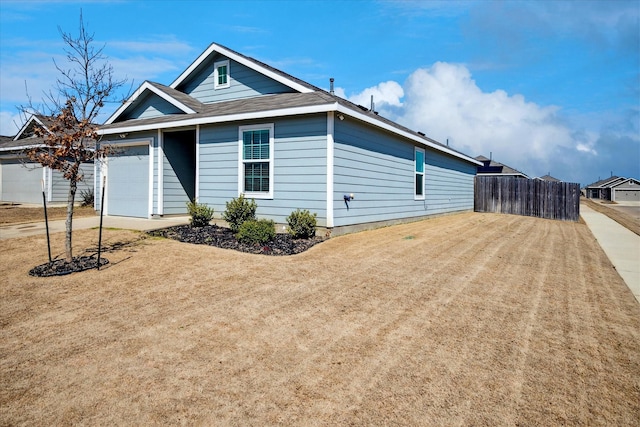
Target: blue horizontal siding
x,y
151,106
244,83
299,162
378,168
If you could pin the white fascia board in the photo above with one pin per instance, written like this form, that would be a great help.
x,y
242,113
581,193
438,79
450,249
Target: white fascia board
x,y
242,60
222,119
148,86
22,147
26,125
388,127
323,108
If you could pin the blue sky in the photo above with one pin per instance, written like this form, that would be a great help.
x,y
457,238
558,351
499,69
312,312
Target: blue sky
x,y
545,86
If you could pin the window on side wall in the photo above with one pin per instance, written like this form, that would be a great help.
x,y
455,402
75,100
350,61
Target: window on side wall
x,y
419,173
221,74
256,161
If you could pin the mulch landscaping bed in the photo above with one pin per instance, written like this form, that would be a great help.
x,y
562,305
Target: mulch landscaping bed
x,y
61,267
222,237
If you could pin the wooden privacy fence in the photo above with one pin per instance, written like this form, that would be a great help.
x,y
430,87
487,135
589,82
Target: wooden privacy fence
x,y
528,197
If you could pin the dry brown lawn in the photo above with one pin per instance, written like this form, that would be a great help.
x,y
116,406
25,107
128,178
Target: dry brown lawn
x,y
470,319
623,218
17,214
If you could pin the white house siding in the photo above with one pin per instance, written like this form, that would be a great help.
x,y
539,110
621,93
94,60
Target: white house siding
x,y
244,83
299,162
378,169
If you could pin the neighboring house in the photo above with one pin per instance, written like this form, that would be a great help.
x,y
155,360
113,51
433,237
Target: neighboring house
x,y
602,189
548,178
231,125
627,190
492,168
22,181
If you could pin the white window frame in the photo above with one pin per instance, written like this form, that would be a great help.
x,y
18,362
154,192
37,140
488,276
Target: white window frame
x,y
216,66
241,161
416,173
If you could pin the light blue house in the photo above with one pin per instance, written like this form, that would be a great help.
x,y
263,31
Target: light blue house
x,y
231,125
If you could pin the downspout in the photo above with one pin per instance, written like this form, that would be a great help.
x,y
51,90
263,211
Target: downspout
x,y
197,162
160,209
330,153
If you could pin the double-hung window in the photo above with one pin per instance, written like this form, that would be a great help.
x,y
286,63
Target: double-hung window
x,y
256,161
419,173
221,74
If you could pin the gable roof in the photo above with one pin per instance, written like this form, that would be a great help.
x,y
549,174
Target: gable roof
x,y
180,100
308,99
277,75
27,129
548,178
625,181
491,167
603,183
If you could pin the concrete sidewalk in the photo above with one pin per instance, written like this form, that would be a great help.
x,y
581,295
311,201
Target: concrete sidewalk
x,y
141,224
621,245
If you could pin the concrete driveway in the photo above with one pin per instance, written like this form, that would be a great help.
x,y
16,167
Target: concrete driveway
x,y
141,224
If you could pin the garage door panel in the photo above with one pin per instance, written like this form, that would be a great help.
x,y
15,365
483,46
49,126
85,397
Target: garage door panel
x,y
21,184
128,182
627,195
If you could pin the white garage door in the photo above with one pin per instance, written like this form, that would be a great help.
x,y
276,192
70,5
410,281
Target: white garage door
x,y
628,195
21,184
128,182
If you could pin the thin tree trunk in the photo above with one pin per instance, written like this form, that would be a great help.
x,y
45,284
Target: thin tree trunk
x,y
73,186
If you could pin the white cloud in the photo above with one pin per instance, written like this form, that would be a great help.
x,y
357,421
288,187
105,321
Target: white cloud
x,y
10,123
445,102
384,95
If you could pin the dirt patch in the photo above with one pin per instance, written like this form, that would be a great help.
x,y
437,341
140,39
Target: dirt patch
x,y
471,319
622,218
222,237
17,214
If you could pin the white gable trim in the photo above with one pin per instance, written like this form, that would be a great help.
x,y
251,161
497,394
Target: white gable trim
x,y
148,86
26,126
632,181
242,60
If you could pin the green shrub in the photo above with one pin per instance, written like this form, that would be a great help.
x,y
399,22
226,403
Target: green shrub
x,y
256,231
238,211
87,197
200,214
302,224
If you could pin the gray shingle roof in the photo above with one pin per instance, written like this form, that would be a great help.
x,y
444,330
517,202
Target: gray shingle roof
x,y
504,169
181,97
604,182
227,108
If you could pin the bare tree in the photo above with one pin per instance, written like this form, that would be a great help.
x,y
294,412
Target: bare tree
x,y
85,85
